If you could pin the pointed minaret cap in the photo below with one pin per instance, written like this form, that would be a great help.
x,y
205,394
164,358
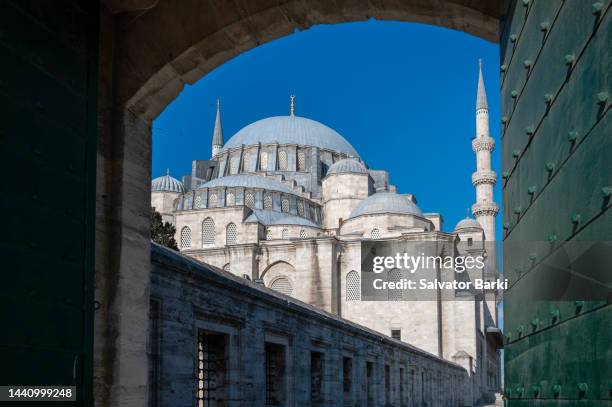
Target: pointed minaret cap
x,y
218,131
481,98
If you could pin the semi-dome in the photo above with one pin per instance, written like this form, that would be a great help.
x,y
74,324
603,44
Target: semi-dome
x,y
386,202
291,130
269,218
347,165
468,223
167,184
248,181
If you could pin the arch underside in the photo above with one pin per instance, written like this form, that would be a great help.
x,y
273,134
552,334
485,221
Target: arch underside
x,y
170,44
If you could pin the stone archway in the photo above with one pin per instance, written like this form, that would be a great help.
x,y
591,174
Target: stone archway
x,y
149,49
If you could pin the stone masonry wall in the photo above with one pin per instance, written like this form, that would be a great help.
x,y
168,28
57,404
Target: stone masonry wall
x,y
191,296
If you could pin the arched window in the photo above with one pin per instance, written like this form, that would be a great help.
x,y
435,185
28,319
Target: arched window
x,y
285,204
263,161
285,234
395,276
282,160
375,233
230,199
197,202
231,233
249,199
213,200
353,286
234,161
303,234
208,232
300,206
185,237
226,267
267,201
301,160
282,285
246,162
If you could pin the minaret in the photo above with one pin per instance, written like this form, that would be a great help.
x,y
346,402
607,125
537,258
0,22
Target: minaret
x,y
217,140
485,209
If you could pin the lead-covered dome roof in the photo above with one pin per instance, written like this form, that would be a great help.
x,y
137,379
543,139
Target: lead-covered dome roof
x,y
291,130
386,202
468,223
167,184
347,165
248,181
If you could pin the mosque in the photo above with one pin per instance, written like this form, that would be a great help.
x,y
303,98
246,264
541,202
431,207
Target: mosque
x,y
287,202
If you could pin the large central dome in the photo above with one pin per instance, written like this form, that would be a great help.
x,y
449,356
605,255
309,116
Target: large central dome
x,y
291,130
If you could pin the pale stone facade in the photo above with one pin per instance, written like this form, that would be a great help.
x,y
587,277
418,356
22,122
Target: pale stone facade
x,y
287,202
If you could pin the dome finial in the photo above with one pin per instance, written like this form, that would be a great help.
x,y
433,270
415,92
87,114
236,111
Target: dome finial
x,y
467,213
167,171
292,105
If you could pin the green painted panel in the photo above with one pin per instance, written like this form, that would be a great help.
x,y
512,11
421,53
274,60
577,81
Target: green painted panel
x,y
550,179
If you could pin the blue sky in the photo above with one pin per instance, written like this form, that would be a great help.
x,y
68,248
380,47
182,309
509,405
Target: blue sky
x,y
402,94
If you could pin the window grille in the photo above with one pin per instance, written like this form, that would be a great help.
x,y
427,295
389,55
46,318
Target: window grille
x,y
300,207
246,162
375,234
395,276
197,202
213,200
282,285
212,369
396,334
301,160
231,234
347,375
353,286
285,204
208,232
185,237
316,377
303,234
285,234
268,234
268,201
230,199
282,160
275,374
234,161
249,200
263,161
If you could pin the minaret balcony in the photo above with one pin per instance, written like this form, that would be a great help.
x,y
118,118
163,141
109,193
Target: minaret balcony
x,y
484,177
481,143
485,209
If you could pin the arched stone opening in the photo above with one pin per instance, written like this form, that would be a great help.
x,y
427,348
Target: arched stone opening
x,y
149,50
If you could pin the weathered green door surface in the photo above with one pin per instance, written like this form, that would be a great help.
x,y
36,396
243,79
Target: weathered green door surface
x,y
47,139
557,163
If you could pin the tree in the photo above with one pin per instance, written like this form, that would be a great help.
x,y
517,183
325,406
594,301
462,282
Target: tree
x,y
162,232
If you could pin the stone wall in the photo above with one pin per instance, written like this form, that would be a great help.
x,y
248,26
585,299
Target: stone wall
x,y
190,298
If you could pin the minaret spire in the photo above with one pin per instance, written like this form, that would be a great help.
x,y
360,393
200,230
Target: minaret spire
x,y
217,140
481,97
292,105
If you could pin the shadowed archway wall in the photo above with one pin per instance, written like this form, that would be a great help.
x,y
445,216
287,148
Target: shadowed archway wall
x,y
148,51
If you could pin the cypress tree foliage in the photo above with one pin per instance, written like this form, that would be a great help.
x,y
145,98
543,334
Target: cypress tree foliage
x,y
162,232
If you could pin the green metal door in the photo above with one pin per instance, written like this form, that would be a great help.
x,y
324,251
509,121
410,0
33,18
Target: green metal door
x,y
48,144
557,171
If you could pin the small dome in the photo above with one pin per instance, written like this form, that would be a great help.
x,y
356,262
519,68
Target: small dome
x,y
386,202
347,165
468,223
291,130
248,181
167,184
